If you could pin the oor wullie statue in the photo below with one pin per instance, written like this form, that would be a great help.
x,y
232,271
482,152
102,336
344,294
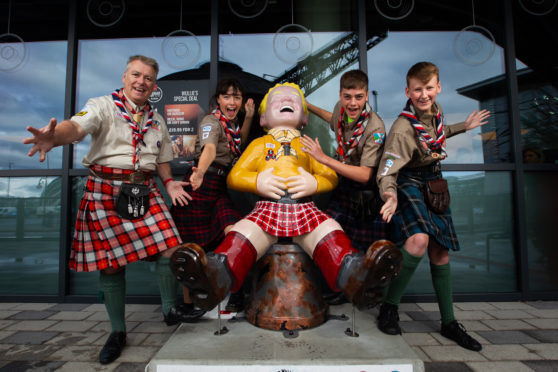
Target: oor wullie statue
x,y
277,169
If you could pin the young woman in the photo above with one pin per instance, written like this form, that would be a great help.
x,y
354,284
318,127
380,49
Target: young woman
x,y
210,214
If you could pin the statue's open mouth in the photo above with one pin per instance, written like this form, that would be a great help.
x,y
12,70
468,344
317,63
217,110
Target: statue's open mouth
x,y
286,109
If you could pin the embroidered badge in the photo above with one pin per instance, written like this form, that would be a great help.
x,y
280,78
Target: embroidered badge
x,y
269,145
205,135
389,163
391,155
81,113
206,129
156,125
379,137
385,171
270,155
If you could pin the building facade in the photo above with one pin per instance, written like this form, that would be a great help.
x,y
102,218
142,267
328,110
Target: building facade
x,y
492,54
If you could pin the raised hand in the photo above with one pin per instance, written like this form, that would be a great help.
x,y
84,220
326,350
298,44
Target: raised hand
x,y
313,148
477,118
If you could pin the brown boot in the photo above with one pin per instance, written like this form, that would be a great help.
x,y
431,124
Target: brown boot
x,y
362,277
206,276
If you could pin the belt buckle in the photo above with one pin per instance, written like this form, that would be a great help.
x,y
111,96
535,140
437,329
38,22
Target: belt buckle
x,y
136,177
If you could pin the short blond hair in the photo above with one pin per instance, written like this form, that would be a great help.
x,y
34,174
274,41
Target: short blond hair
x,y
263,104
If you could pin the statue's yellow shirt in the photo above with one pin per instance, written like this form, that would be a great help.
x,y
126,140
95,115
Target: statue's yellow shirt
x,y
281,150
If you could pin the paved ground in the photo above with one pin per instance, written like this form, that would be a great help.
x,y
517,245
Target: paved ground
x,y
516,336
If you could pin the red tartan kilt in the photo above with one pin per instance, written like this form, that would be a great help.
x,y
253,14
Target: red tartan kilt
x,y
103,239
286,220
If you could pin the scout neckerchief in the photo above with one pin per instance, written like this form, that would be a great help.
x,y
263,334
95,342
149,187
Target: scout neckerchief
x,y
433,147
137,134
233,136
352,143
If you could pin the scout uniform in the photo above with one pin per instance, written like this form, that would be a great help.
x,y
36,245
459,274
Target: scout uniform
x,y
102,238
405,167
205,217
353,204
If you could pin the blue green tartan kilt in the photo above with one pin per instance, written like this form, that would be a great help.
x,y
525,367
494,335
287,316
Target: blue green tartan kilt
x,y
414,217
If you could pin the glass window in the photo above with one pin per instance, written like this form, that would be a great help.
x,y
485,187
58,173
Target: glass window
x,y
465,43
541,203
30,235
481,207
31,94
98,77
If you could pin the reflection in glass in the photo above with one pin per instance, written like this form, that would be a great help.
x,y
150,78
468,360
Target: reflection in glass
x,y
30,235
31,95
541,203
465,88
481,209
538,110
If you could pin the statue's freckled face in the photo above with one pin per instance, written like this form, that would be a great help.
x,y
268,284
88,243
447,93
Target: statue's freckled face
x,y
284,108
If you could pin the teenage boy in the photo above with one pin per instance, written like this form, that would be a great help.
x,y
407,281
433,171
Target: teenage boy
x,y
414,147
360,136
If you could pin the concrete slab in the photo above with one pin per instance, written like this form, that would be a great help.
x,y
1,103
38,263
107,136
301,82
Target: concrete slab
x,y
195,347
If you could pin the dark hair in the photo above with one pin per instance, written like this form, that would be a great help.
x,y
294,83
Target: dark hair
x,y
424,71
223,86
146,60
354,79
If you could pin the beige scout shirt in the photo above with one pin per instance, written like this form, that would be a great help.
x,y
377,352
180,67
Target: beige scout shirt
x,y
402,149
111,137
211,131
369,150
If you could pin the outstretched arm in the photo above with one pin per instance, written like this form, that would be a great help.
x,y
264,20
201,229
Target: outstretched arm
x,y
53,135
354,172
323,114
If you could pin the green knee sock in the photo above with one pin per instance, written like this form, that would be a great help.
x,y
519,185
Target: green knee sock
x,y
113,289
167,283
441,280
398,285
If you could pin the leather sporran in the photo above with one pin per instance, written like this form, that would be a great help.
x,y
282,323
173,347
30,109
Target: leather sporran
x,y
132,202
437,195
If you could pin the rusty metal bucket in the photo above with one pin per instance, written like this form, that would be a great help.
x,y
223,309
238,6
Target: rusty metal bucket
x,y
286,292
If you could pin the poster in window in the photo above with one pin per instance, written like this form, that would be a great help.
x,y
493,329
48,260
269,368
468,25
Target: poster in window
x,y
182,105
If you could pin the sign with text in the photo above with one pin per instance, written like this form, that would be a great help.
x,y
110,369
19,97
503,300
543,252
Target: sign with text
x,y
182,103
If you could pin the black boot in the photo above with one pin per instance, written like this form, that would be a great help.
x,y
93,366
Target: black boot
x,y
207,276
113,347
388,319
456,332
184,313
